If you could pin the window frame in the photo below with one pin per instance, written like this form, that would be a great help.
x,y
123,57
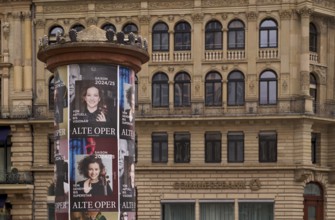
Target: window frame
x,y
213,33
260,206
313,38
108,26
184,84
78,27
184,139
270,139
132,28
51,91
51,148
235,138
161,138
236,31
213,82
182,36
268,80
160,83
161,34
53,33
213,139
266,43
315,147
178,203
236,82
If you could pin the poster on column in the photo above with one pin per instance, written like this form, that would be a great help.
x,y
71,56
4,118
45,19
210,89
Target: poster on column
x,y
93,141
61,181
127,143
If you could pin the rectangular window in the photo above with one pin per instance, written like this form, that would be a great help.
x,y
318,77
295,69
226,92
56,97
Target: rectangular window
x,y
315,144
5,153
267,147
178,211
217,211
213,147
159,147
182,148
256,211
51,144
235,147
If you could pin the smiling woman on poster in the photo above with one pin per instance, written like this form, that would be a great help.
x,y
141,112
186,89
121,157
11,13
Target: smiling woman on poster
x,y
95,110
96,183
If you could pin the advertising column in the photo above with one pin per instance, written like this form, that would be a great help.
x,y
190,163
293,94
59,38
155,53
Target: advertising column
x,y
94,114
95,153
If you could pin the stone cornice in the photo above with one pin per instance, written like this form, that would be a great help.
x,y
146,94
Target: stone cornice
x,y
170,4
217,3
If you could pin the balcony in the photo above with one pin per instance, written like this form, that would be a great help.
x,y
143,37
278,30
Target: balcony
x,y
249,109
158,57
313,57
16,177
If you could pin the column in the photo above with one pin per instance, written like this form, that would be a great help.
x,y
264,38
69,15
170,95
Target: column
x,y
17,48
27,69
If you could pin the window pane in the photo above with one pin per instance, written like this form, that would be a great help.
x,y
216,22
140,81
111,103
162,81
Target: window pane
x,y
264,39
165,94
263,96
256,211
156,95
186,94
273,38
216,211
182,148
240,39
232,39
272,92
165,151
231,93
240,93
178,211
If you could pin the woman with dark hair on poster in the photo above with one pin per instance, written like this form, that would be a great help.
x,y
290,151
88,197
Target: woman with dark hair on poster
x,y
95,110
92,168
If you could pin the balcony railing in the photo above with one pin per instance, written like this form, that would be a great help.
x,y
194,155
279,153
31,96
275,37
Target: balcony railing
x,y
213,55
160,56
235,54
282,108
181,56
268,53
314,57
16,177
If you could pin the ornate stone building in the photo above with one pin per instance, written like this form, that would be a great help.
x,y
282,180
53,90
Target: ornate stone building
x,y
235,109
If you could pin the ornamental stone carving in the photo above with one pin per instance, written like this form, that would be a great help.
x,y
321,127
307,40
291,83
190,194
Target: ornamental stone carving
x,y
325,3
6,29
251,83
65,8
285,14
39,23
321,71
199,17
92,21
170,4
252,15
267,2
118,6
144,19
217,3
305,11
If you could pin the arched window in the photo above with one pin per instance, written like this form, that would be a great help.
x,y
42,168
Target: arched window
x,y
182,36
268,88
182,89
313,202
268,34
213,89
160,90
108,26
235,88
51,93
160,37
53,33
313,90
130,27
313,38
78,27
236,35
213,36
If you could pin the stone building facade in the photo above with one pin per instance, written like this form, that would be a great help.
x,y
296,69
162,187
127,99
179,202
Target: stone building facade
x,y
235,109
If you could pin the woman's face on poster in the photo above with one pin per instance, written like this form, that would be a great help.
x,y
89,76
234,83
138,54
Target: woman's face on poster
x,y
93,171
92,97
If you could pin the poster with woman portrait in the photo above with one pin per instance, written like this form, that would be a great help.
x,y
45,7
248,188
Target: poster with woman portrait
x,y
93,175
127,103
